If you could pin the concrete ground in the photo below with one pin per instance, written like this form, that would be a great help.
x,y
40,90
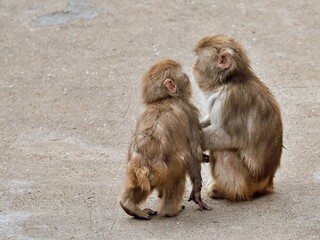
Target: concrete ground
x,y
69,97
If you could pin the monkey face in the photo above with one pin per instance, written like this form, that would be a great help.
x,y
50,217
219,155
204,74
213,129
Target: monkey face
x,y
203,70
204,65
184,85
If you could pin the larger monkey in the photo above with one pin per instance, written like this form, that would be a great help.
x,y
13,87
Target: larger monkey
x,y
244,126
166,144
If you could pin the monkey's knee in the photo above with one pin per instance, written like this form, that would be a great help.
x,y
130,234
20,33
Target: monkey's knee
x,y
215,192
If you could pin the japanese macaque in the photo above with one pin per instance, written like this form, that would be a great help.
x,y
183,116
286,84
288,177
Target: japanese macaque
x,y
166,145
243,129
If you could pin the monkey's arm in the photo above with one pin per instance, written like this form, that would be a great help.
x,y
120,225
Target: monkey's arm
x,y
194,171
195,196
216,138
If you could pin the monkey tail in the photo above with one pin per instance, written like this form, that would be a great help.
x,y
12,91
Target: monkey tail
x,y
143,178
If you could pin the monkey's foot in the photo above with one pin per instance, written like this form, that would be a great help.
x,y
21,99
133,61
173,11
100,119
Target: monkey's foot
x,y
150,212
172,214
138,213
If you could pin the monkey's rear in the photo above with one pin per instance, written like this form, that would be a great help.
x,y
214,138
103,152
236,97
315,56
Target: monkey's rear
x,y
165,145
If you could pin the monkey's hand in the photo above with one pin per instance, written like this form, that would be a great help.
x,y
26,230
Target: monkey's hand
x,y
196,196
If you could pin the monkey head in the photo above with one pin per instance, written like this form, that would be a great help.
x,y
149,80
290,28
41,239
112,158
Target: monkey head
x,y
219,58
163,80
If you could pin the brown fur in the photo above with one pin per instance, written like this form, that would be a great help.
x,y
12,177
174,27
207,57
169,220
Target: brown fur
x,y
244,132
165,145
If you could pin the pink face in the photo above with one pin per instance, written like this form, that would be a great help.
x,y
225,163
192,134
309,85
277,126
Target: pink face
x,y
195,70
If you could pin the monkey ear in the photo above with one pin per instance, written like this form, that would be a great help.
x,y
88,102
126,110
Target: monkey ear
x,y
170,85
224,60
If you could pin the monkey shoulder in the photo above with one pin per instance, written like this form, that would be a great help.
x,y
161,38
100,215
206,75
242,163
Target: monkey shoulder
x,y
162,118
259,98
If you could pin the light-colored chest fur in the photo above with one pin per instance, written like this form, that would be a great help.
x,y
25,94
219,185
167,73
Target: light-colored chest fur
x,y
213,103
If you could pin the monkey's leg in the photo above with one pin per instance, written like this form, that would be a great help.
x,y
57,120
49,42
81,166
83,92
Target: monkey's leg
x,y
172,198
130,201
230,177
194,172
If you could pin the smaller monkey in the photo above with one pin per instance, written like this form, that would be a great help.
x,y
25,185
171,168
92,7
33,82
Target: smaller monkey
x,y
243,130
166,145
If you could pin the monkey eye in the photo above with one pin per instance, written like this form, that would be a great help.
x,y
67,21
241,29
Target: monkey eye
x,y
217,50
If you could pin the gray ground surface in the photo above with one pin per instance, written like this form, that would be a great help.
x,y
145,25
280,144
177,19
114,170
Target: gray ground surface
x,y
69,97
